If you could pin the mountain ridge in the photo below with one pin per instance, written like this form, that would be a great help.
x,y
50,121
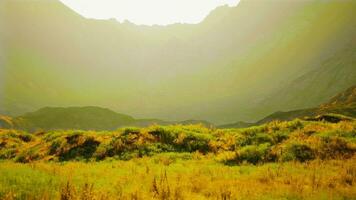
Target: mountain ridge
x,y
97,118
81,118
343,103
176,72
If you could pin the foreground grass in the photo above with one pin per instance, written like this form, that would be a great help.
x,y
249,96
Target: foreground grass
x,y
278,160
168,176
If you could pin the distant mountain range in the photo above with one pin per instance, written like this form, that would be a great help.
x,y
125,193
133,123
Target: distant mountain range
x,y
81,118
97,118
240,64
239,124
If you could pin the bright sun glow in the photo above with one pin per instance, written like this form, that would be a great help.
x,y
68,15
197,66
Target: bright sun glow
x,y
148,12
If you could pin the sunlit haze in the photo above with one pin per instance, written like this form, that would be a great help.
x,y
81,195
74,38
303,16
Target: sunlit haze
x,y
148,12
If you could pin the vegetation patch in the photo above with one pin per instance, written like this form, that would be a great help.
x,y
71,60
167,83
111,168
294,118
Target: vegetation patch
x,y
276,141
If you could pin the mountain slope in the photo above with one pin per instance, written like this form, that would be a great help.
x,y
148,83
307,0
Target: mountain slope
x,y
344,99
85,118
82,118
237,125
96,118
218,70
317,86
343,103
6,122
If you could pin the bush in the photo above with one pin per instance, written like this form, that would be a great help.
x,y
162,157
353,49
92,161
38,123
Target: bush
x,y
297,151
25,137
336,147
8,153
56,146
85,150
27,156
194,142
131,130
253,153
279,136
262,138
284,141
227,157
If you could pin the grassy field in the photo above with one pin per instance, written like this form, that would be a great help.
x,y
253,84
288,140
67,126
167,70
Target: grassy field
x,y
278,160
170,177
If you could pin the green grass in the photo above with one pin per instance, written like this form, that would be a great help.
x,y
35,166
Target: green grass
x,y
196,178
278,160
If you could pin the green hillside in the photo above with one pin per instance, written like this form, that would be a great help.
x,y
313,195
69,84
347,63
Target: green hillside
x,y
342,104
219,70
239,124
82,118
317,86
346,99
85,118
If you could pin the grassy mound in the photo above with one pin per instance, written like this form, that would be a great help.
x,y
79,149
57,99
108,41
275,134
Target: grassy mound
x,y
276,141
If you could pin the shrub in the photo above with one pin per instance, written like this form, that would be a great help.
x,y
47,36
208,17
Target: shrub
x,y
284,141
27,156
242,140
25,137
56,146
227,157
85,149
297,151
335,147
253,153
279,136
194,142
130,130
101,151
262,138
8,153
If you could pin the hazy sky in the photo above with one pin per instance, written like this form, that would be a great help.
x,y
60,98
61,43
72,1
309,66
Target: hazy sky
x,y
148,12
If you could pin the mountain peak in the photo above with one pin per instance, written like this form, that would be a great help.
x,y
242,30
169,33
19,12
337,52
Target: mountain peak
x,y
86,118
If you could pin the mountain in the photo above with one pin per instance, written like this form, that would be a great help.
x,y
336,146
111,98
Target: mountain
x,y
344,103
317,86
85,118
82,118
193,121
288,115
346,99
6,122
221,69
97,118
240,124
149,122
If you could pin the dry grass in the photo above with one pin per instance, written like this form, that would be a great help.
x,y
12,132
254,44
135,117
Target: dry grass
x,y
279,160
148,178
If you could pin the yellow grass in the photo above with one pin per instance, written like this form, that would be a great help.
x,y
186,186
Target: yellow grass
x,y
157,178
